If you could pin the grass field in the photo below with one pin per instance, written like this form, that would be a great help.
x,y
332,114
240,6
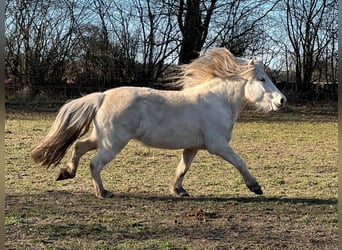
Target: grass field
x,y
292,153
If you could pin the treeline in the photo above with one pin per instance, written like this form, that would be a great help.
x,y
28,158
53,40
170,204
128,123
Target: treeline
x,y
68,47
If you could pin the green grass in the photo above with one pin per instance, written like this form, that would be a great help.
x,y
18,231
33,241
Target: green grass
x,y
292,153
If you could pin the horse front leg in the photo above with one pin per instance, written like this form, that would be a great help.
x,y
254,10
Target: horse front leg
x,y
183,166
227,153
81,147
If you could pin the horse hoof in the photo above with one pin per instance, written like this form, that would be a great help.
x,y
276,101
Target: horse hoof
x,y
181,192
184,194
256,188
109,195
258,191
106,194
63,175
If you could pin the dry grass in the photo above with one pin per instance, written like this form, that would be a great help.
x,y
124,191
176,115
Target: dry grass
x,y
292,153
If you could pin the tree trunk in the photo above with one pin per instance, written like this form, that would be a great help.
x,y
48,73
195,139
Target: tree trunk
x,y
194,31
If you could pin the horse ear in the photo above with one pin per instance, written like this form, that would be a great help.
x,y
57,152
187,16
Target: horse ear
x,y
251,62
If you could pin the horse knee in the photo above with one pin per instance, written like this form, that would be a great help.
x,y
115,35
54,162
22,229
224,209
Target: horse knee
x,y
100,160
95,167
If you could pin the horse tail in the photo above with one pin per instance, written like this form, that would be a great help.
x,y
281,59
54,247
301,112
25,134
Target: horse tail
x,y
72,121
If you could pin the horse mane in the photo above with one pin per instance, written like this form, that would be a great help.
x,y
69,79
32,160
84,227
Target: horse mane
x,y
218,62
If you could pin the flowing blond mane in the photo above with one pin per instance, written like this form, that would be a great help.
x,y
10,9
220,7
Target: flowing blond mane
x,y
218,62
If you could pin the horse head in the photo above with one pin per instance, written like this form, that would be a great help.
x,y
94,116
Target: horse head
x,y
260,90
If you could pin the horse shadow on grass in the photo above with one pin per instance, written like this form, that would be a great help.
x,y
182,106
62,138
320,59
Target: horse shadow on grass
x,y
257,199
62,194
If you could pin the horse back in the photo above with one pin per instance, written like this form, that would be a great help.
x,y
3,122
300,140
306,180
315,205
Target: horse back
x,y
164,119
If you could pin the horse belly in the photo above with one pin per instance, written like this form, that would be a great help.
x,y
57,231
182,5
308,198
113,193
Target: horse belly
x,y
173,132
172,140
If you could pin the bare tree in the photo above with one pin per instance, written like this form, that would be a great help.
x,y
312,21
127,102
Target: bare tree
x,y
39,41
145,32
309,33
158,34
241,26
193,20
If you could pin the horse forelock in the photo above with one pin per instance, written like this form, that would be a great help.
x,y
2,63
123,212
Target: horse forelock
x,y
214,63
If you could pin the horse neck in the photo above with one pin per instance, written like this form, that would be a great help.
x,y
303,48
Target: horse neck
x,y
229,92
235,93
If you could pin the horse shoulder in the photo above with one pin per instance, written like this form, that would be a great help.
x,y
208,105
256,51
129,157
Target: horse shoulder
x,y
217,116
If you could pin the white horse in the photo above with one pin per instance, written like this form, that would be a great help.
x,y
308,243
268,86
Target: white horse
x,y
215,87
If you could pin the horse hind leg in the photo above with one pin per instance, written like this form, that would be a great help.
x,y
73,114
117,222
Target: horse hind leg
x,y
104,156
68,171
182,168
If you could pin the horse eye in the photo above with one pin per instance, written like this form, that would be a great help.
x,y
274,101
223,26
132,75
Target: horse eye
x,y
262,79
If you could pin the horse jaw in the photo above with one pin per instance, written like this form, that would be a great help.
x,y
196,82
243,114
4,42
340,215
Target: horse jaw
x,y
266,107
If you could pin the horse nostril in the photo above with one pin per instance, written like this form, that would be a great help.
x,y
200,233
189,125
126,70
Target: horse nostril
x,y
282,101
